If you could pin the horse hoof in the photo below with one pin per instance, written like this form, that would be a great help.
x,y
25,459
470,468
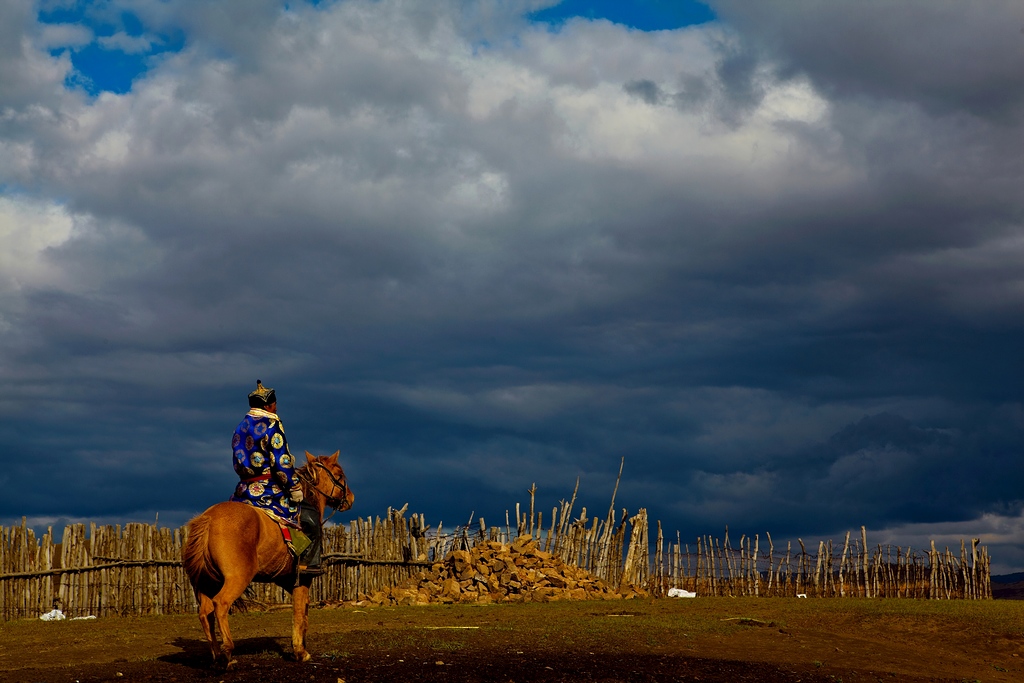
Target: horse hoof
x,y
231,665
304,657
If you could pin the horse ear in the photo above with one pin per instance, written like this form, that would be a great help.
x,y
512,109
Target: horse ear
x,y
334,458
309,457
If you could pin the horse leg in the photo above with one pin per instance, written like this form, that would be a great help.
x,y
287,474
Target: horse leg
x,y
232,589
206,619
300,622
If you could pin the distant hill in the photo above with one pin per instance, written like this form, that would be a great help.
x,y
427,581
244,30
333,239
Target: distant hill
x,y
1008,586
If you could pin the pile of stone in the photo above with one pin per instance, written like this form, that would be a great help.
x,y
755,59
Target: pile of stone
x,y
493,572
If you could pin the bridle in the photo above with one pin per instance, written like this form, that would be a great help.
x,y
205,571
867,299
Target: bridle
x,y
313,478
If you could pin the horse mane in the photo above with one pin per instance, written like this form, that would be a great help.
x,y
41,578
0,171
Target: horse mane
x,y
306,478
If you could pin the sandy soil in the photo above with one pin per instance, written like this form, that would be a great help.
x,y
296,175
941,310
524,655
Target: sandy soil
x,y
641,640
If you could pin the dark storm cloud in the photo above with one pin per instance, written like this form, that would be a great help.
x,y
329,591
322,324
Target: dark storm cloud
x,y
646,90
737,74
693,91
786,292
947,56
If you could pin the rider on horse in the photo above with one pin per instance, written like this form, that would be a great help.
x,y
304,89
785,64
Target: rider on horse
x,y
266,470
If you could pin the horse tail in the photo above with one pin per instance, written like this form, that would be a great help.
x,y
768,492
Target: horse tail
x,y
195,556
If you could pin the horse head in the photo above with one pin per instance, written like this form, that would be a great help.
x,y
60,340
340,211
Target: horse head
x,y
326,477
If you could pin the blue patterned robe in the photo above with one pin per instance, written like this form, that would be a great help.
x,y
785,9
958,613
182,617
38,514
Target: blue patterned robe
x,y
265,467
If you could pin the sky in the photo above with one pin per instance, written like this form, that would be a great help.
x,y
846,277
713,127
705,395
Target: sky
x,y
769,254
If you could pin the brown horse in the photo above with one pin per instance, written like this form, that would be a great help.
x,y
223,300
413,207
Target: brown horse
x,y
233,544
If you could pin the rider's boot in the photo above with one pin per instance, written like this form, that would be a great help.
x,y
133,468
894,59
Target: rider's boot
x,y
309,520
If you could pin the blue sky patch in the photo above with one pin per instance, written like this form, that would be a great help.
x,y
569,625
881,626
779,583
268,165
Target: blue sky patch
x,y
645,15
104,65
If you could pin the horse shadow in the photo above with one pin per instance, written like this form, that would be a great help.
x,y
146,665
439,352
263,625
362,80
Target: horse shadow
x,y
195,653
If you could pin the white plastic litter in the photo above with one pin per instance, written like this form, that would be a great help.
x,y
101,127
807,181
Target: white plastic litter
x,y
53,615
801,595
681,593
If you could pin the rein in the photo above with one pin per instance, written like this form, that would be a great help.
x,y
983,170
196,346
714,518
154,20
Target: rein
x,y
312,480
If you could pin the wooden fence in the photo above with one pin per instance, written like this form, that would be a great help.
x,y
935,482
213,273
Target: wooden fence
x,y
858,570
135,569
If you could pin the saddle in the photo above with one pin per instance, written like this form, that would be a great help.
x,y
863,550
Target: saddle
x,y
296,540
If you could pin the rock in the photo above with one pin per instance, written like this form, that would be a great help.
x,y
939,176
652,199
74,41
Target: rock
x,y
451,587
493,572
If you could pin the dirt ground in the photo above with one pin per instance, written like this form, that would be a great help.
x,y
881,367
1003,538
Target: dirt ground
x,y
704,639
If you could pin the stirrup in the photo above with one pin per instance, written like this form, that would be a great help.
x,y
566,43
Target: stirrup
x,y
311,571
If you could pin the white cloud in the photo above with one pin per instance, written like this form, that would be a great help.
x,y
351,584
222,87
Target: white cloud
x,y
126,43
63,35
28,229
486,192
